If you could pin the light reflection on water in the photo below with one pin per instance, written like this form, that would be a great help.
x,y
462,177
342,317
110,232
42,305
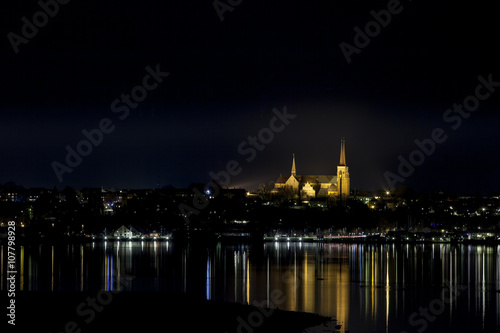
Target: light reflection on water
x,y
364,286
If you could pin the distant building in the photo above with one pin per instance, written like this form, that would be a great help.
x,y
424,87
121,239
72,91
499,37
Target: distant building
x,y
337,186
124,232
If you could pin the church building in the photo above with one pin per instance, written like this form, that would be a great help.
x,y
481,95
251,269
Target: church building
x,y
336,187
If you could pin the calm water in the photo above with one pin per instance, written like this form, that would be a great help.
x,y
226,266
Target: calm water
x,y
367,288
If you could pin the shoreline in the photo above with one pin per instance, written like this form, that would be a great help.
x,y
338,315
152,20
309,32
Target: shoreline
x,y
78,312
247,240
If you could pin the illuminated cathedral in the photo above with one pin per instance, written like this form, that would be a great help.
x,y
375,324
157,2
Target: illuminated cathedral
x,y
336,187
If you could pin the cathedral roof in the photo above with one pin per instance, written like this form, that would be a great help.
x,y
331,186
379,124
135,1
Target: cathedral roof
x,y
312,179
316,178
282,179
327,178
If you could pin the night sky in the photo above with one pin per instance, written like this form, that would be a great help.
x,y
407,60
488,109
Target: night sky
x,y
226,77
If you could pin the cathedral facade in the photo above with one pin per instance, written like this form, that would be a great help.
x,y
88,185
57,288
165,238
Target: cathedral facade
x,y
337,187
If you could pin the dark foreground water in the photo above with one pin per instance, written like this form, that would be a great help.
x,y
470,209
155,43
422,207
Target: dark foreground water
x,y
366,287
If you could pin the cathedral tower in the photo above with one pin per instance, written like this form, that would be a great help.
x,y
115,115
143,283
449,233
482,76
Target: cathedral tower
x,y
343,181
294,171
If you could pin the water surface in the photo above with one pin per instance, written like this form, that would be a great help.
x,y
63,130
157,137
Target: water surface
x,y
366,287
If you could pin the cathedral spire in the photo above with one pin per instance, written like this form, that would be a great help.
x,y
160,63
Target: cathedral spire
x,y
294,171
342,151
